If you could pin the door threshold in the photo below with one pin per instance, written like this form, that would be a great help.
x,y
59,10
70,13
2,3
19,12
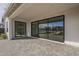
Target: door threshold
x,y
52,41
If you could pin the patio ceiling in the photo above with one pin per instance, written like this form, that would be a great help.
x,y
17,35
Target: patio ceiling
x,y
31,11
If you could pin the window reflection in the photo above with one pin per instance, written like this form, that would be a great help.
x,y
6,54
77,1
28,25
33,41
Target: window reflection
x,y
56,30
52,28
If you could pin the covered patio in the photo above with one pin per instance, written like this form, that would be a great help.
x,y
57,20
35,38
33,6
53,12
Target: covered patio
x,y
55,22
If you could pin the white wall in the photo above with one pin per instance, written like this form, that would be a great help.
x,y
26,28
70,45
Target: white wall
x,y
72,25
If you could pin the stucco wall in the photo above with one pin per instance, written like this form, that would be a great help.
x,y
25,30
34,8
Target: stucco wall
x,y
72,25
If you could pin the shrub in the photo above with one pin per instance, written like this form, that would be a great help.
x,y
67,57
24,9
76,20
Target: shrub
x,y
1,30
4,36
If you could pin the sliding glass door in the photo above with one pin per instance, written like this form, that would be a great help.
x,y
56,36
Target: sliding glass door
x,y
43,29
34,29
51,28
20,29
56,29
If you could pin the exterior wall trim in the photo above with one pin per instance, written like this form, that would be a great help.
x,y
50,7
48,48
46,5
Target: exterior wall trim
x,y
52,41
72,43
12,7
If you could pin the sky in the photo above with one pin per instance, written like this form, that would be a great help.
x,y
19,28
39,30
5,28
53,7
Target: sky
x,y
3,8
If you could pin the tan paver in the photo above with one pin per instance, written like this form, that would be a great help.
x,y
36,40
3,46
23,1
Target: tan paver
x,y
35,47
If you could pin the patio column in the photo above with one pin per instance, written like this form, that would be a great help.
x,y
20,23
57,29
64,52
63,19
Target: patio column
x,y
28,28
8,28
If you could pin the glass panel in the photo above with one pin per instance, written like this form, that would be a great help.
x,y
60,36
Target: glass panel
x,y
35,29
43,29
56,30
43,35
20,29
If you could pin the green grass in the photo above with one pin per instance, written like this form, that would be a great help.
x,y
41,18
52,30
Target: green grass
x,y
3,36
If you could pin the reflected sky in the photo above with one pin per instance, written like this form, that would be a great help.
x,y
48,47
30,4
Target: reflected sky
x,y
56,23
51,24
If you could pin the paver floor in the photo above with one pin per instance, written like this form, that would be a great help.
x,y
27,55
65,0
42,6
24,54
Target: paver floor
x,y
36,47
